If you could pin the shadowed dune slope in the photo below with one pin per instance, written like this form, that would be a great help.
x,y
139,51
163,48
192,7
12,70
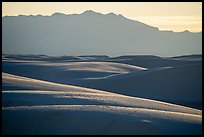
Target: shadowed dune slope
x,y
181,84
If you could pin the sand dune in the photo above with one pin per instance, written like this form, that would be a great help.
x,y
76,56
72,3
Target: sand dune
x,y
149,61
67,70
81,119
82,93
182,84
41,111
178,83
39,96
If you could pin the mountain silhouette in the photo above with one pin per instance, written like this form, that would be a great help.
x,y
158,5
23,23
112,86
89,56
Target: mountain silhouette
x,y
92,33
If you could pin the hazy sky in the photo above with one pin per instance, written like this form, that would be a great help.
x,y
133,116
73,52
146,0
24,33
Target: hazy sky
x,y
176,16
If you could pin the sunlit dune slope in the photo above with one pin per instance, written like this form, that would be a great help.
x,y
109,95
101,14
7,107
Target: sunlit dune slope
x,y
68,91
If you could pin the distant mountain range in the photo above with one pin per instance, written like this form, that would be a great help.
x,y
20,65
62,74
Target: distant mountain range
x,y
92,33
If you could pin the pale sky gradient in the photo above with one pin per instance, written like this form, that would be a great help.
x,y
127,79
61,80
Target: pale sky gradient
x,y
175,16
